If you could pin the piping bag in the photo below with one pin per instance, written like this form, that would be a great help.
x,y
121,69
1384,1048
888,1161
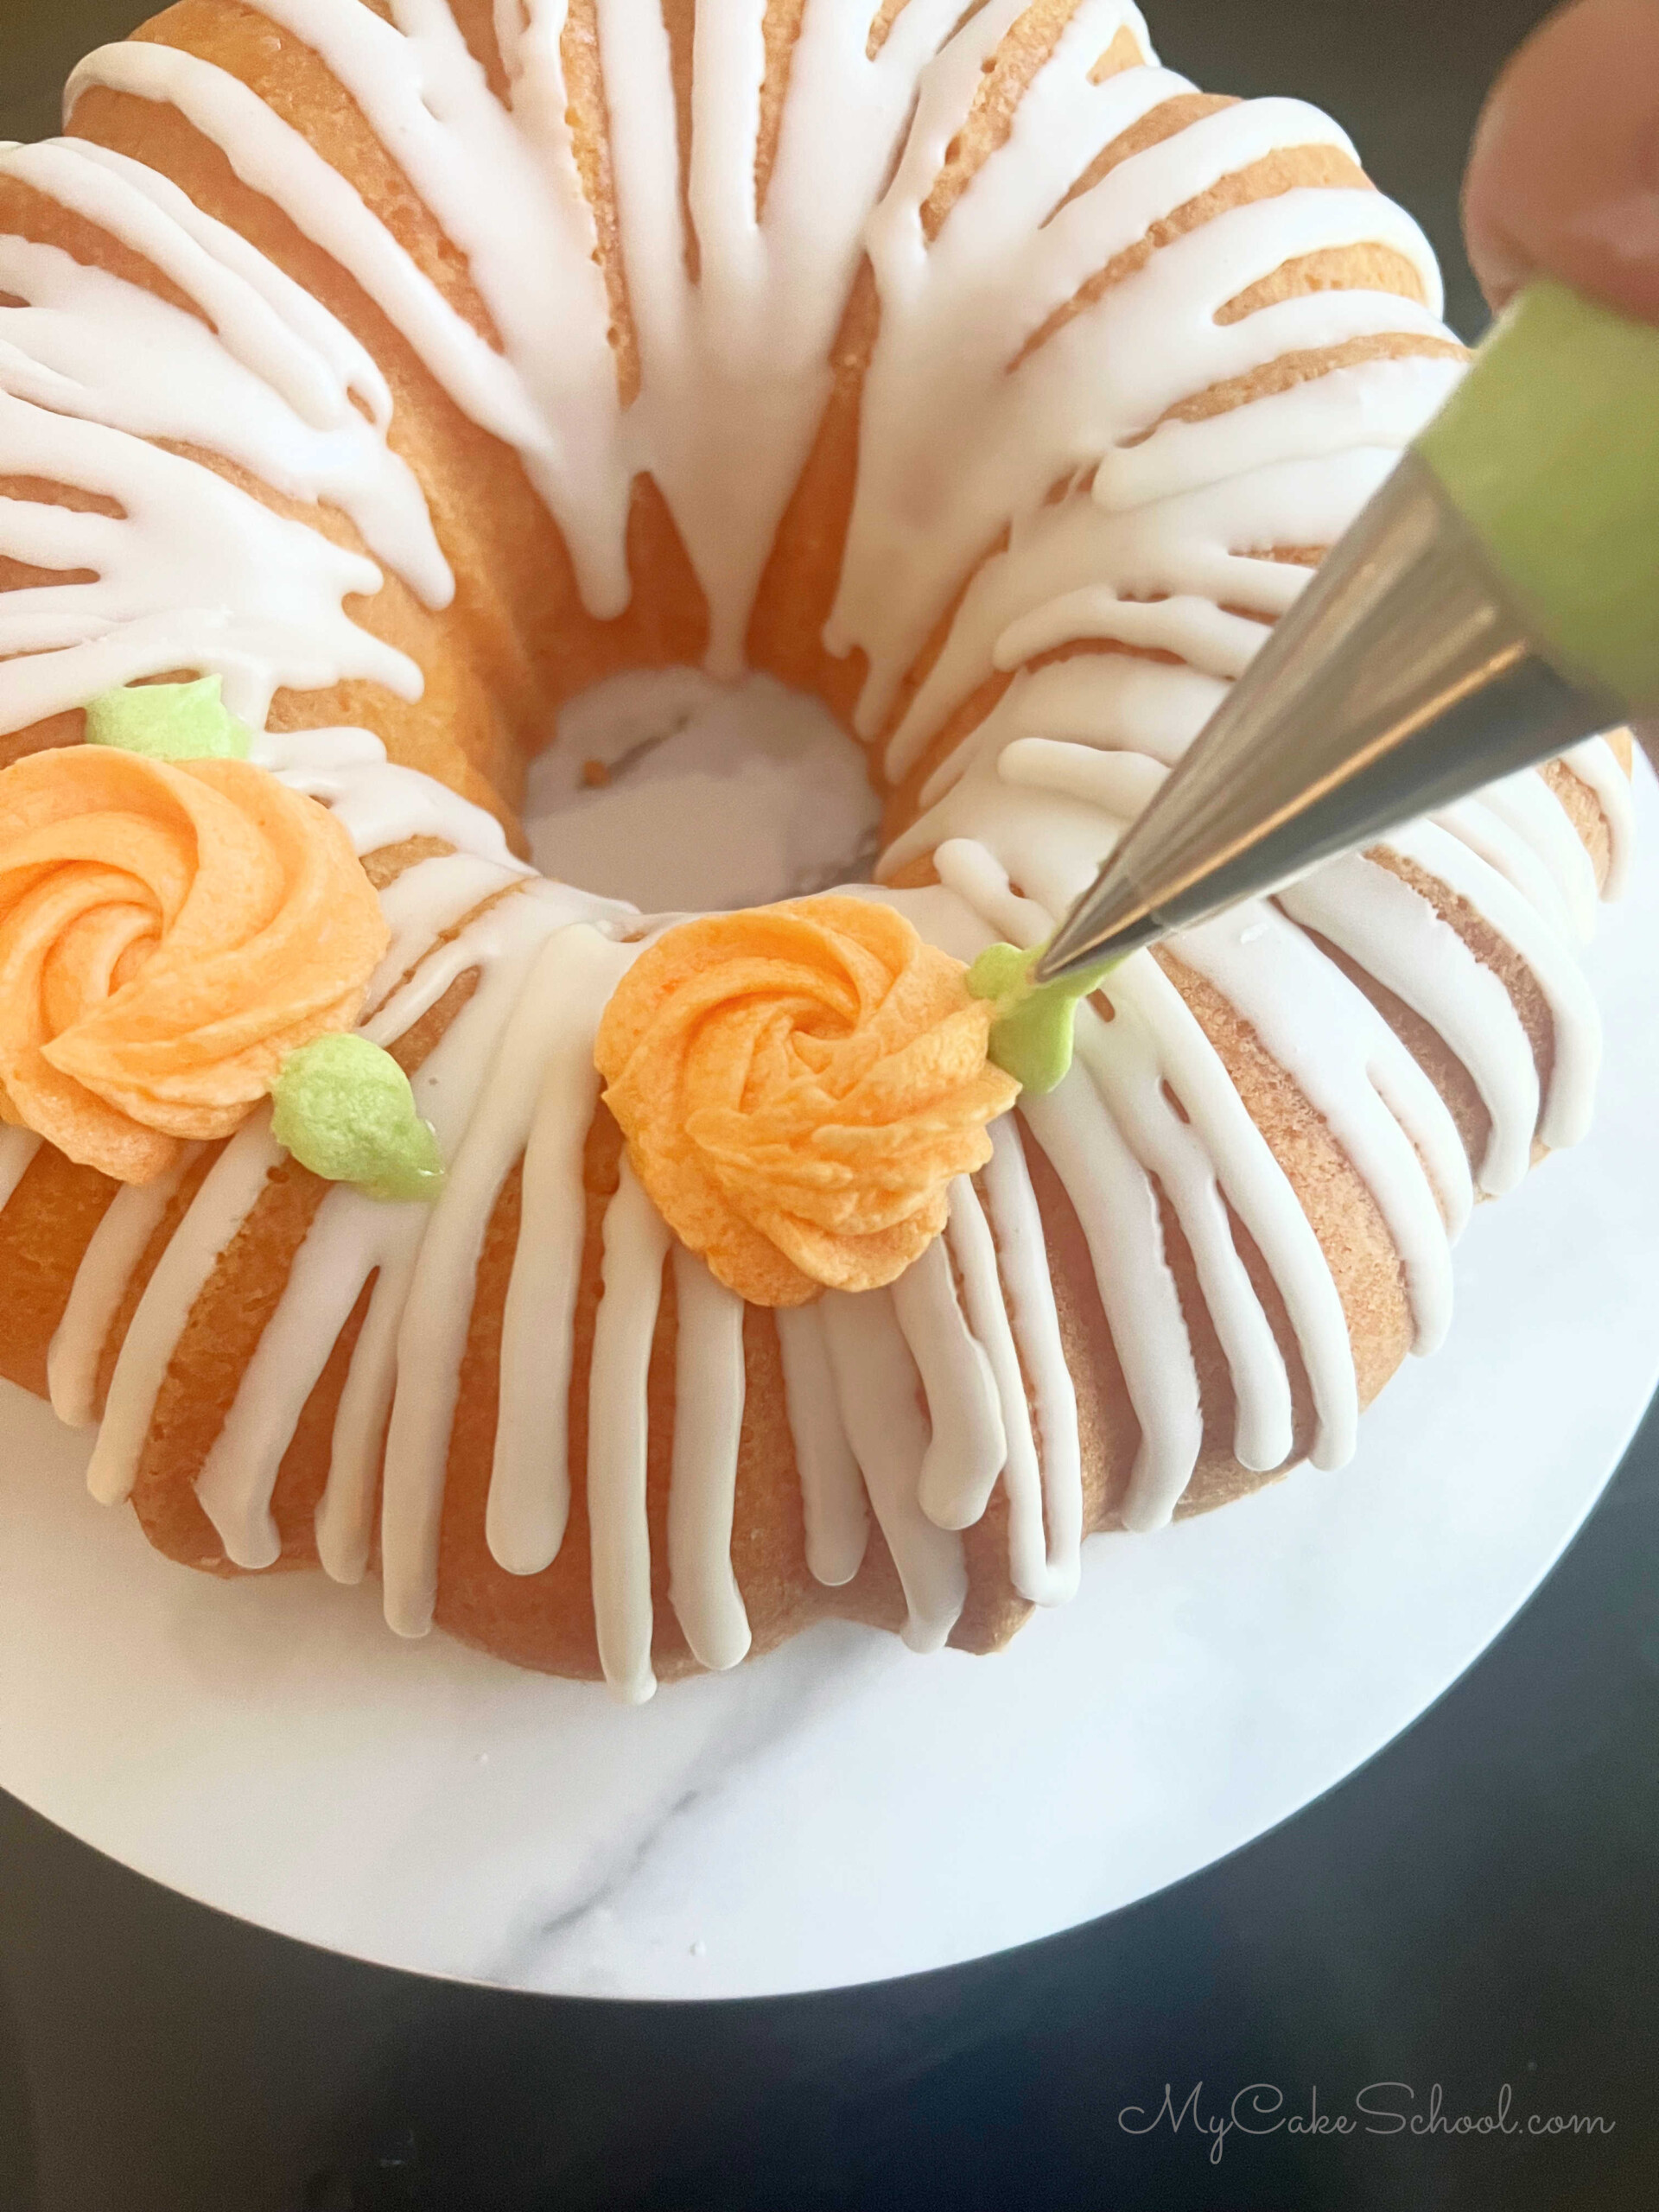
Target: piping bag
x,y
1497,602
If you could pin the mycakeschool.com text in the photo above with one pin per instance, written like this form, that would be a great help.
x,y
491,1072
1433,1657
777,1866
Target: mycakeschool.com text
x,y
1262,2108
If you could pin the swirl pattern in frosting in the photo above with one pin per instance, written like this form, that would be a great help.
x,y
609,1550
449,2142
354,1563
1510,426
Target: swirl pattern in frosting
x,y
167,933
798,1086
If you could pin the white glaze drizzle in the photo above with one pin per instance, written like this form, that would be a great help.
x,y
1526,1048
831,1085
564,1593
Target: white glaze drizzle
x,y
1381,1106
967,1443
1199,545
734,368
1376,1103
957,312
272,158
1044,1531
17,1149
636,1245
520,983
709,1393
878,1391
107,1266
832,1490
1602,773
1185,1156
530,1483
1369,913
193,574
378,803
986,1322
232,1189
1489,828
1577,1023
1117,1211
267,380
503,184
404,1246
328,1272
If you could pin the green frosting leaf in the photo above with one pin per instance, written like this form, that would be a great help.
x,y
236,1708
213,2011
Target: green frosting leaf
x,y
344,1109
169,721
1032,1029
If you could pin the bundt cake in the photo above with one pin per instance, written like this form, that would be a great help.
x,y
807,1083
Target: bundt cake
x,y
408,366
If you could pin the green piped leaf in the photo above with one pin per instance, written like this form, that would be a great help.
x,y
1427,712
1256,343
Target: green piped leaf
x,y
1032,1029
344,1109
169,721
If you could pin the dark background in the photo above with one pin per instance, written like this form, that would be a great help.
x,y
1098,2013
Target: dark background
x,y
1479,1907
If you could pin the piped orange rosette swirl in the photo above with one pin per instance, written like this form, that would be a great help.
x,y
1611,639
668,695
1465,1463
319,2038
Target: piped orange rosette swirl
x,y
168,934
798,1086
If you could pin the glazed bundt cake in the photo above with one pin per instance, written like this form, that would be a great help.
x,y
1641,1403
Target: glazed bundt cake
x,y
408,366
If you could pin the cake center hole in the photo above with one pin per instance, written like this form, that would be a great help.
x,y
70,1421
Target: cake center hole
x,y
681,794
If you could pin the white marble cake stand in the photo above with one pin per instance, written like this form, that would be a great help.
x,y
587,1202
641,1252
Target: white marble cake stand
x,y
843,1811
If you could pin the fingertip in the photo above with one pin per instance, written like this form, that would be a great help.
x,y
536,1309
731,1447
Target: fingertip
x,y
1563,179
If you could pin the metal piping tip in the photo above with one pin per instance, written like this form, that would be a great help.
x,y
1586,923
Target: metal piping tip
x,y
1110,921
1404,678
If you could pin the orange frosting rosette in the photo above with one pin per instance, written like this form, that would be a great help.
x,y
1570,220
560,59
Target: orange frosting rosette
x,y
168,934
799,1085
